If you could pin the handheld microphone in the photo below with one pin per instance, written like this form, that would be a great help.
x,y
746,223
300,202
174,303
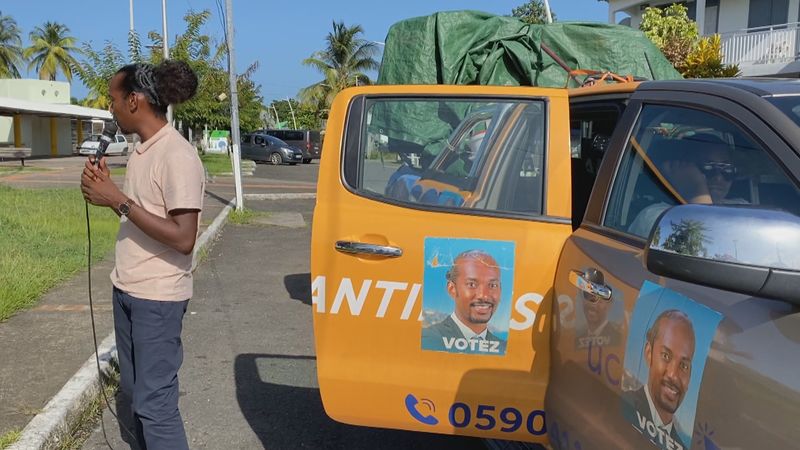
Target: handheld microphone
x,y
109,133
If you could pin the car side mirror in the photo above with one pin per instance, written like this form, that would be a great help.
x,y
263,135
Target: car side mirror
x,y
741,249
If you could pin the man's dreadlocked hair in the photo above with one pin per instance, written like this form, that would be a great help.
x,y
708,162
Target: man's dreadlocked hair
x,y
169,83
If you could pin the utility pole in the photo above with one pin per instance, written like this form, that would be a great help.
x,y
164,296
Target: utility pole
x,y
131,2
165,44
277,117
292,111
547,11
235,138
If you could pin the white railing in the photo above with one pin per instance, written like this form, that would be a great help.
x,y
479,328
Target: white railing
x,y
762,45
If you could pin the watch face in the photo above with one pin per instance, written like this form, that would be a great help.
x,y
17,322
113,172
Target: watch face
x,y
124,209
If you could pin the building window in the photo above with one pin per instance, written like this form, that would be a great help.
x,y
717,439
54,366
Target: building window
x,y
768,12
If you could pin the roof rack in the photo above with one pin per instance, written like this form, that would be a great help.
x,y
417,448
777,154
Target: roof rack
x,y
592,77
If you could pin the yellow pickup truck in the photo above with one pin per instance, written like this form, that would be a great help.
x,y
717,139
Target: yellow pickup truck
x,y
607,267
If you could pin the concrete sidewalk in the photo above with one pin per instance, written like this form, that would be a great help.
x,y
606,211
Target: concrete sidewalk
x,y
43,347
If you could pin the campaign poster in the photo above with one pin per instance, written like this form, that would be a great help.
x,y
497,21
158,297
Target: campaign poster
x,y
466,295
668,343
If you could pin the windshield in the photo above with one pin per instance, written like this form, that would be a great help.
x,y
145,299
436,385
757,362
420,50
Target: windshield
x,y
790,105
93,138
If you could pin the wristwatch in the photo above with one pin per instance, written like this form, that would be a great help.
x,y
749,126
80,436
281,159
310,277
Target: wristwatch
x,y
125,208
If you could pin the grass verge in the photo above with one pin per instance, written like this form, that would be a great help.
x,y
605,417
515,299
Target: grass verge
x,y
217,164
7,170
244,216
43,241
119,172
9,438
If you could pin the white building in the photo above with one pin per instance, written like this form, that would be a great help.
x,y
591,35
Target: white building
x,y
761,36
37,114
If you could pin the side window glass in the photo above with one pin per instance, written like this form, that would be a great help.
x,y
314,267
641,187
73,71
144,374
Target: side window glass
x,y
259,140
680,155
245,138
480,155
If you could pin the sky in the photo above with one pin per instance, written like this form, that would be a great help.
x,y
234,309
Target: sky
x,y
279,35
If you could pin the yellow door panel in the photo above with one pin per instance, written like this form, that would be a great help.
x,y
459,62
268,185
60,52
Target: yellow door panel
x,y
407,246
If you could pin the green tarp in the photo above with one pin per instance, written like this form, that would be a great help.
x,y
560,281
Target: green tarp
x,y
469,47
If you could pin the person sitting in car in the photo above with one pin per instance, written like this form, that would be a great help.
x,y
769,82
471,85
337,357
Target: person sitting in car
x,y
700,171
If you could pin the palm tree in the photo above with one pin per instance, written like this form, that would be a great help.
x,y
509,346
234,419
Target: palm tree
x,y
51,50
342,63
10,47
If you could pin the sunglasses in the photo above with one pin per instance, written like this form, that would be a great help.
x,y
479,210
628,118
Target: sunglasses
x,y
711,168
591,298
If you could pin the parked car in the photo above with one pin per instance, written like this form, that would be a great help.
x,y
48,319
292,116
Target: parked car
x,y
89,146
261,147
606,267
309,141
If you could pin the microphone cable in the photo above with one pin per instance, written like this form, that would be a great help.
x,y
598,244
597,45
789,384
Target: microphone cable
x,y
94,338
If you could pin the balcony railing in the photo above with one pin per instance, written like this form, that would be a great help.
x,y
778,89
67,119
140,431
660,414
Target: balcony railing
x,y
762,45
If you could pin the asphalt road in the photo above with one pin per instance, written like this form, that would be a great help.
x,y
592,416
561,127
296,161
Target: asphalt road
x,y
248,378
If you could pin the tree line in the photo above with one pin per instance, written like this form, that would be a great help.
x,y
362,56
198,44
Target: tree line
x,y
53,50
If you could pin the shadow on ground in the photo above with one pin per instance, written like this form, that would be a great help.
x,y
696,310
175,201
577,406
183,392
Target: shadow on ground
x,y
298,286
285,411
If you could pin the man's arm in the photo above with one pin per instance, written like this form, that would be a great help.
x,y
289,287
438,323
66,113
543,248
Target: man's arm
x,y
178,230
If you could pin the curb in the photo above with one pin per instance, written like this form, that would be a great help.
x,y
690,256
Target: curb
x,y
288,196
211,232
61,411
57,415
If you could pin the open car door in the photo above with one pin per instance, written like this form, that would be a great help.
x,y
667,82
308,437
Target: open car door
x,y
441,213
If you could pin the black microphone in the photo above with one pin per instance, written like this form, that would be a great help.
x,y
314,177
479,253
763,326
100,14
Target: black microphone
x,y
108,136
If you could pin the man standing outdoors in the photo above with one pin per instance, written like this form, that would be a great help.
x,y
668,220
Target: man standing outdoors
x,y
159,208
473,282
668,352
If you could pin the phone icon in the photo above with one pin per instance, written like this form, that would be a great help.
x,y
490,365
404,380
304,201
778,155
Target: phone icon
x,y
412,405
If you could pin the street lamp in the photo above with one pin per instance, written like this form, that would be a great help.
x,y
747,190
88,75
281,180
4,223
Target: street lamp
x,y
165,43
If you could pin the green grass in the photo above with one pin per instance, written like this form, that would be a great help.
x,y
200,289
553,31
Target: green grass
x,y
119,171
43,242
243,217
9,438
8,170
217,164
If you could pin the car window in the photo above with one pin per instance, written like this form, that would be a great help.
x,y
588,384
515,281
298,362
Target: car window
x,y
120,138
292,136
790,105
246,138
479,155
259,140
680,155
278,142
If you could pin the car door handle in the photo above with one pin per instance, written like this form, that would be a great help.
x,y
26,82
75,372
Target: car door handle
x,y
368,249
579,280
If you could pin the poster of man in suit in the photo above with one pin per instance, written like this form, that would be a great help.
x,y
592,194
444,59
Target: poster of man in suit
x,y
466,297
665,356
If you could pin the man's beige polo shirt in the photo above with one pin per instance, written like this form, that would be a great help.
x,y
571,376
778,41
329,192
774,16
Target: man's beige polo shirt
x,y
164,173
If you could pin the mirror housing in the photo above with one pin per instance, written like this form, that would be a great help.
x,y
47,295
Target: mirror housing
x,y
747,250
